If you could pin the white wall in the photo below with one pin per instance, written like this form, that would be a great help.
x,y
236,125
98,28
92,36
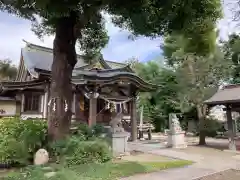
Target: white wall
x,y
31,116
9,107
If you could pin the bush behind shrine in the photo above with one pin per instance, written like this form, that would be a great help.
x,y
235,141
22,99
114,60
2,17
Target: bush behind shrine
x,y
19,139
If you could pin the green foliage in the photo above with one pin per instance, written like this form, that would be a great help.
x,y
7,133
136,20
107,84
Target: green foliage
x,y
85,130
8,71
212,126
89,152
82,21
75,151
98,130
106,171
90,132
158,104
133,63
198,77
21,138
231,49
199,71
150,17
65,146
13,152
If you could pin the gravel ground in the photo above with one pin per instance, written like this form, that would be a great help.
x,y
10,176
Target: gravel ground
x,y
225,175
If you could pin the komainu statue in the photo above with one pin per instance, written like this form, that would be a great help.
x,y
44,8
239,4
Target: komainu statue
x,y
116,123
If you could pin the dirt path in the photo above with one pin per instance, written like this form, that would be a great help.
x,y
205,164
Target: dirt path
x,y
208,161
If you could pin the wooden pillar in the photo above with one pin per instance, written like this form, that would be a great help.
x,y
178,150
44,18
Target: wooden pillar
x,y
42,105
92,110
46,100
73,107
231,136
22,102
133,110
45,105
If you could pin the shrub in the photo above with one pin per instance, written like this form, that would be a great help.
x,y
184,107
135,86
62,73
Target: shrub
x,y
84,129
66,146
212,127
98,130
12,151
75,150
89,152
90,132
28,135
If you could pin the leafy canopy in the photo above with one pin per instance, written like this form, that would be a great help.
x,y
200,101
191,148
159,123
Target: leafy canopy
x,y
142,17
231,49
198,76
158,104
7,70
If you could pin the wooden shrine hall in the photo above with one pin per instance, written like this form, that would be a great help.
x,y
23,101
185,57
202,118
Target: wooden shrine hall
x,y
228,96
100,90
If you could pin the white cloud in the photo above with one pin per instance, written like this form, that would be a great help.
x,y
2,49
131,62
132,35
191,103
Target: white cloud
x,y
12,32
228,24
120,48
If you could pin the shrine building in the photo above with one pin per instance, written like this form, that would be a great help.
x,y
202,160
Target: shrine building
x,y
100,90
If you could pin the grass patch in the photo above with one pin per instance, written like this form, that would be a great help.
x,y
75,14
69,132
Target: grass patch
x,y
106,171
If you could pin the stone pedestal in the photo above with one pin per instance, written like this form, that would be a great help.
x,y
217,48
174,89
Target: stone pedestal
x,y
237,143
119,143
232,144
176,140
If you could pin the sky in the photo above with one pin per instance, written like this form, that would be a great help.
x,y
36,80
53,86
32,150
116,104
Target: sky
x,y
119,48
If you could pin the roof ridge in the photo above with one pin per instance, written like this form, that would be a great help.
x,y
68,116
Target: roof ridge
x,y
116,62
28,44
44,48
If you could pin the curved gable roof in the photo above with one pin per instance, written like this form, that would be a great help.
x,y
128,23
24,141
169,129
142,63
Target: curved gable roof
x,y
228,94
38,57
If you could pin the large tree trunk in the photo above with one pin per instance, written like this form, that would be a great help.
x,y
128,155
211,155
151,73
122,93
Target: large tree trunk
x,y
202,124
64,60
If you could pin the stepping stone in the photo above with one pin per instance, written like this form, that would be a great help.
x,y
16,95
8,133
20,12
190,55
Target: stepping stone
x,y
47,168
50,174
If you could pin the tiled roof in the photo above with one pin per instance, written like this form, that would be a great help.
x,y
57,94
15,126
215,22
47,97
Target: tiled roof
x,y
112,76
228,94
114,65
41,58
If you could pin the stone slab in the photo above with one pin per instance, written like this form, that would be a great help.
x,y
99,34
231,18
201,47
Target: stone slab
x,y
119,143
177,140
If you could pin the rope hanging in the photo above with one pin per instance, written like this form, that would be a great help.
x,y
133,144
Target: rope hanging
x,y
110,101
54,100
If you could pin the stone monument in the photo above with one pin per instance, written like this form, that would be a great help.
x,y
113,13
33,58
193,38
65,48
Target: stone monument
x,y
41,157
176,136
118,136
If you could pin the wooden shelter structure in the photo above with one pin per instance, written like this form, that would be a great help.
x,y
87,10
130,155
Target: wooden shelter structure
x,y
228,96
100,90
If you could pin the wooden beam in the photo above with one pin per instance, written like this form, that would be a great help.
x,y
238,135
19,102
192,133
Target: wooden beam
x,y
231,135
120,98
133,109
92,111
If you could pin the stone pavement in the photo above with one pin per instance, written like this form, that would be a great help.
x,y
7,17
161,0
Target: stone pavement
x,y
208,162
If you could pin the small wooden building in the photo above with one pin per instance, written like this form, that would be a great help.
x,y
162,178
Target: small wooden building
x,y
228,96
100,90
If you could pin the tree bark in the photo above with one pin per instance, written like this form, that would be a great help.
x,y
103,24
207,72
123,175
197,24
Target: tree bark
x,y
201,109
202,126
64,60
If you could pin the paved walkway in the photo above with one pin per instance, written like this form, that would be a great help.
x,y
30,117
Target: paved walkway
x,y
207,162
